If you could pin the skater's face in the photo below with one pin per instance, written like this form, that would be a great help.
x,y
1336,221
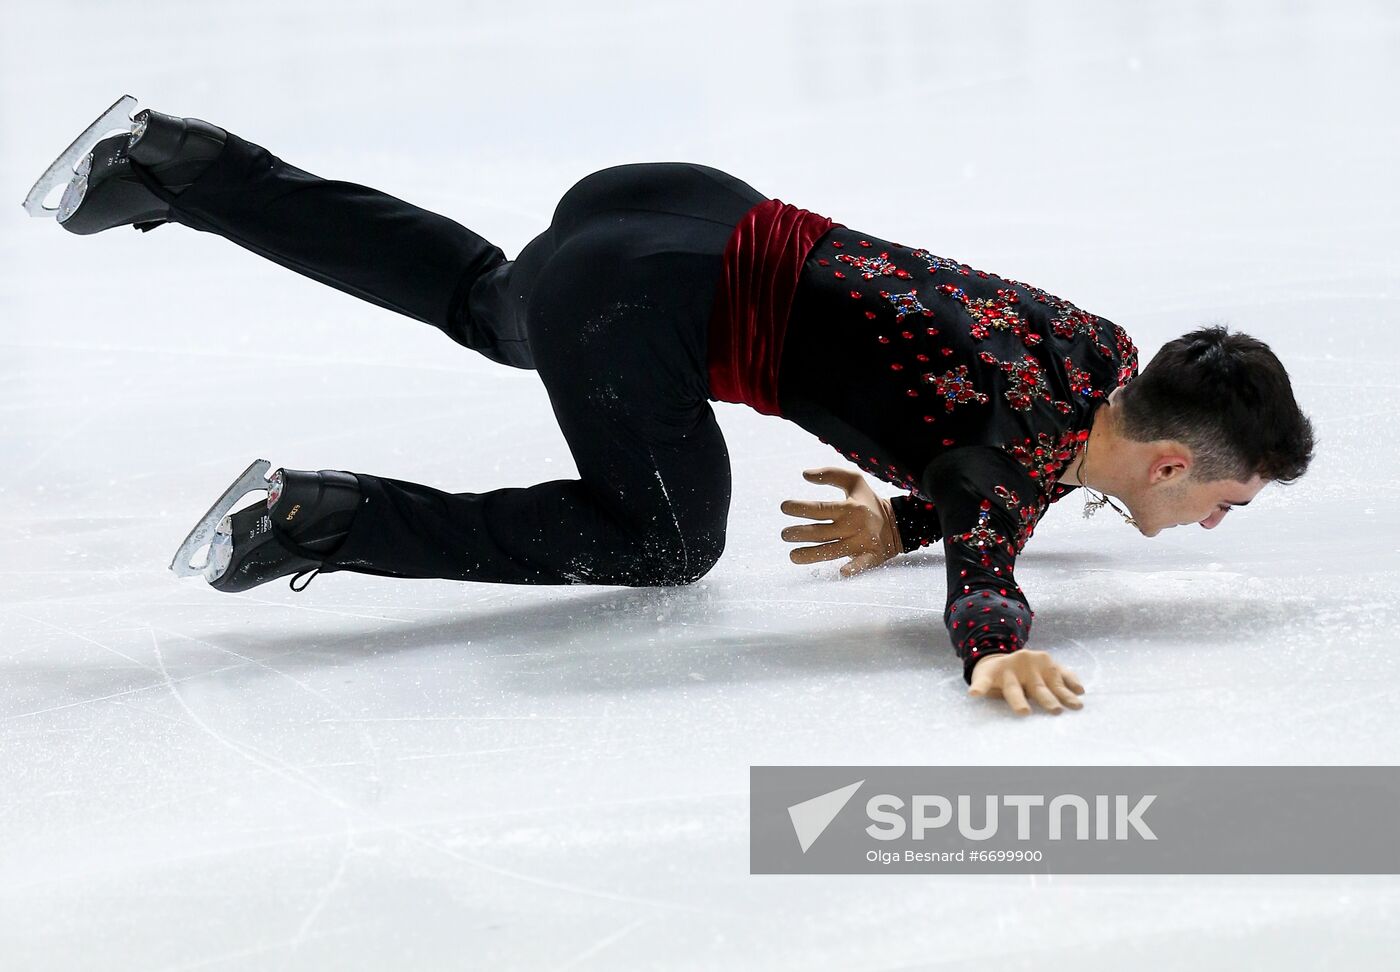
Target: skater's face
x,y
1172,497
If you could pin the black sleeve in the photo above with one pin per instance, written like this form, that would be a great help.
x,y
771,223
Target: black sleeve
x,y
987,507
915,520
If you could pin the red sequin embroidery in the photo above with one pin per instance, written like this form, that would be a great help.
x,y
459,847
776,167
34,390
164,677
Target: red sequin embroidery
x,y
1080,381
982,536
1027,514
955,388
993,314
1027,383
871,267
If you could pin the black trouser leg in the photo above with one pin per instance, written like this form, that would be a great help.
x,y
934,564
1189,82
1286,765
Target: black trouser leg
x,y
661,521
361,241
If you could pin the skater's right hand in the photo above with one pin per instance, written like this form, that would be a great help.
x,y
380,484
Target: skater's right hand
x,y
861,526
1023,672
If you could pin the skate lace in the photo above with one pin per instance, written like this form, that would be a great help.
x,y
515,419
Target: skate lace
x,y
313,571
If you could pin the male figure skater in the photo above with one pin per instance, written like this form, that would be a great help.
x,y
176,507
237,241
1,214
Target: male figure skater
x,y
660,287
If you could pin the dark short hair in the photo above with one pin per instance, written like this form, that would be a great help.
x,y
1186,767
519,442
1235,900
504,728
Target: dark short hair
x,y
1227,397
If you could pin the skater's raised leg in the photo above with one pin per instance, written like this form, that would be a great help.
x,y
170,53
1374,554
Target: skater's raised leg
x,y
351,237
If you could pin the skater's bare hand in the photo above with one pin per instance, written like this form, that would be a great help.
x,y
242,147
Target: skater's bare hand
x,y
861,526
1025,672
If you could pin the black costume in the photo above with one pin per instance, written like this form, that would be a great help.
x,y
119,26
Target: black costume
x,y
967,390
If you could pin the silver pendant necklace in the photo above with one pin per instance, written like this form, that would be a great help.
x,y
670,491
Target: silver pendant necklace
x,y
1093,506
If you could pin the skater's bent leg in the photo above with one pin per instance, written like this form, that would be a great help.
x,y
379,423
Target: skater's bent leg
x,y
625,376
358,240
661,521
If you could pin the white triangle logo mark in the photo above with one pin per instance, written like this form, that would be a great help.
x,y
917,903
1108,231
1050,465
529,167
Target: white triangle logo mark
x,y
810,818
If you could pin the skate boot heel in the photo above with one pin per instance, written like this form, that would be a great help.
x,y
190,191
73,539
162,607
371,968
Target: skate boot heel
x,y
159,139
313,509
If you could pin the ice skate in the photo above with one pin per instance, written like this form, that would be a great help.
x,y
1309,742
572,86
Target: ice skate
x,y
124,169
304,517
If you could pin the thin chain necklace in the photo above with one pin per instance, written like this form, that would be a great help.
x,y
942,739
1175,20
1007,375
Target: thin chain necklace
x,y
1093,506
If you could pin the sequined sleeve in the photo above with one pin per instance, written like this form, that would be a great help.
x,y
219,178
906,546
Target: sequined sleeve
x,y
915,520
986,505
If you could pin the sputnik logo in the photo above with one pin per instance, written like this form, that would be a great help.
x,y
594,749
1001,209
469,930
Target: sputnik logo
x,y
810,818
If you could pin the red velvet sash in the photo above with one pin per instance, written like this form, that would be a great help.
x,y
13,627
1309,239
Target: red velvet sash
x,y
762,261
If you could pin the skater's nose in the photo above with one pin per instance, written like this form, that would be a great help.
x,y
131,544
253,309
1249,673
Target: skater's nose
x,y
1213,521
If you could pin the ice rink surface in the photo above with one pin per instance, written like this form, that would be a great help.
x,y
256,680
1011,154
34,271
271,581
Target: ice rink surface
x,y
382,773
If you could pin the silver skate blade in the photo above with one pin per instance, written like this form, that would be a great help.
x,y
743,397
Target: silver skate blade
x,y
114,119
252,478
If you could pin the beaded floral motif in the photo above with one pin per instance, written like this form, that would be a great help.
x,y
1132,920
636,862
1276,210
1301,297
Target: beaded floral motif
x,y
1044,454
1080,381
906,304
1067,320
983,536
871,267
1027,383
1127,354
1073,323
955,387
936,263
1027,514
993,313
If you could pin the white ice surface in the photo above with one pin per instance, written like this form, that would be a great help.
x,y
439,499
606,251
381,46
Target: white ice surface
x,y
382,773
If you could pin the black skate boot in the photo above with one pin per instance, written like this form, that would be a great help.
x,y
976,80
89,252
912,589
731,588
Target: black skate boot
x,y
305,517
131,178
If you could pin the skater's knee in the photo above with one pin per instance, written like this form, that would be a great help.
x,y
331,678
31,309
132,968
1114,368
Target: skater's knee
x,y
678,559
693,567
484,318
704,557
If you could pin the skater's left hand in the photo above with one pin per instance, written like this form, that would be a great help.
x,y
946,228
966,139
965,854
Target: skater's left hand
x,y
1023,672
861,526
